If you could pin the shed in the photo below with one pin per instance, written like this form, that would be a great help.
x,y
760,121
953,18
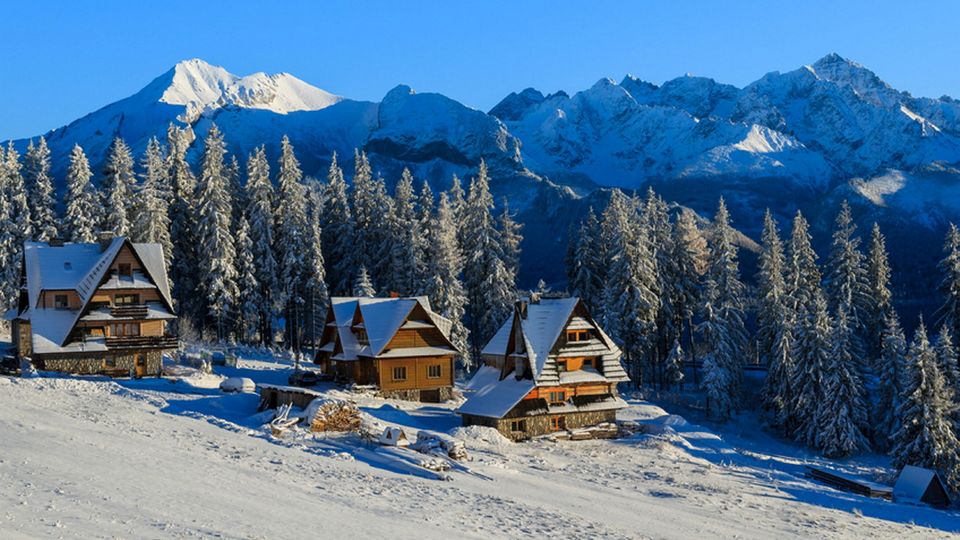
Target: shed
x,y
393,436
917,484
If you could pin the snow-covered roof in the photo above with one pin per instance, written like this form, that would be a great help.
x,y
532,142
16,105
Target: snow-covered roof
x,y
913,483
581,376
381,319
152,257
59,267
497,346
492,397
405,352
155,311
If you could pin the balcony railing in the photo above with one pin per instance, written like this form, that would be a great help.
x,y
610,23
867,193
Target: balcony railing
x,y
130,311
143,342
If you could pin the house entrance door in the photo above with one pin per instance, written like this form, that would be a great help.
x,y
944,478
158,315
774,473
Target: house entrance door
x,y
141,365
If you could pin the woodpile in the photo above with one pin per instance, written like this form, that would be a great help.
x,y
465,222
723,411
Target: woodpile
x,y
333,415
430,442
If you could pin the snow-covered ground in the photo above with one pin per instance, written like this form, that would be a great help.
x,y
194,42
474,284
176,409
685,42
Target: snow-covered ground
x,y
97,458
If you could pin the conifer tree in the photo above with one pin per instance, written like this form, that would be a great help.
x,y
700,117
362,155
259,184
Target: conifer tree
x,y
362,287
152,220
403,276
841,415
317,293
690,259
40,189
890,374
723,326
217,264
947,359
458,204
949,312
586,266
182,212
117,189
425,221
291,237
251,300
845,282
656,220
674,365
9,256
802,273
510,239
371,206
925,436
338,231
878,277
82,206
260,201
18,200
811,353
443,286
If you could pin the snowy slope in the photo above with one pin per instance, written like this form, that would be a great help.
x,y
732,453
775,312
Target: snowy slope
x,y
154,459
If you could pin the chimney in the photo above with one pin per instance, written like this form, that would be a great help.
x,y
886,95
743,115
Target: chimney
x,y
521,307
534,298
55,242
394,294
105,238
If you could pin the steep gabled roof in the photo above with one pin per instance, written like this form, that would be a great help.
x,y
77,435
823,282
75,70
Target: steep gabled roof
x,y
381,319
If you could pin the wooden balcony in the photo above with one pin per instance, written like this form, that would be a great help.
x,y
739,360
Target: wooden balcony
x,y
143,342
129,311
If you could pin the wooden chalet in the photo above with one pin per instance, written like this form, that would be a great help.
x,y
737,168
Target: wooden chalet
x,y
94,308
549,368
396,344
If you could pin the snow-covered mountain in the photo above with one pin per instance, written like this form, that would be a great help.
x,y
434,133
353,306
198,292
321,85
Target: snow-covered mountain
x,y
802,139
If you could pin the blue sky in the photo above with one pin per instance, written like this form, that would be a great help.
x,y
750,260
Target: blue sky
x,y
61,60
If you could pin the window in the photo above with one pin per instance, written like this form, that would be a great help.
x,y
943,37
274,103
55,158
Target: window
x,y
518,425
125,270
126,299
558,397
433,372
362,336
126,329
577,335
557,423
141,360
110,362
588,362
60,301
561,366
400,373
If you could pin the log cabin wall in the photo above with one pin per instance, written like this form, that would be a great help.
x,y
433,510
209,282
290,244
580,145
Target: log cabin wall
x,y
416,372
406,338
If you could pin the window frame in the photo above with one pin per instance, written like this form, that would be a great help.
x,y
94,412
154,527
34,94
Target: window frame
x,y
518,426
430,371
125,270
399,370
122,299
554,394
58,305
558,423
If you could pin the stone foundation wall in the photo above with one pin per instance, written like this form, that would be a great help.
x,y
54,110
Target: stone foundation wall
x,y
125,364
541,424
436,395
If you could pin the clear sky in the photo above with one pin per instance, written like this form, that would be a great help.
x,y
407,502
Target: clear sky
x,y
61,60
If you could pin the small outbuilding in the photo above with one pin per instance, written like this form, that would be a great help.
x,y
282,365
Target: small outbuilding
x,y
920,485
393,436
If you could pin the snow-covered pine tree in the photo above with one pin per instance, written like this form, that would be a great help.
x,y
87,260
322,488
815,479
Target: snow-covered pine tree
x,y
723,325
403,276
43,211
845,282
775,328
890,374
182,212
510,239
426,220
19,202
925,436
443,286
238,196
218,268
152,220
458,203
842,414
362,286
117,189
251,301
690,257
656,219
949,312
947,359
9,257
878,278
260,201
82,206
489,283
316,292
291,237
338,231
632,288
802,274
370,205
674,365
587,266
811,354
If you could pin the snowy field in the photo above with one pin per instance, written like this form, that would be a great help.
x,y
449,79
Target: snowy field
x,y
96,458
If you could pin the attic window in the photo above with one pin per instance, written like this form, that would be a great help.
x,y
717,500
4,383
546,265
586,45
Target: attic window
x,y
577,335
67,265
125,270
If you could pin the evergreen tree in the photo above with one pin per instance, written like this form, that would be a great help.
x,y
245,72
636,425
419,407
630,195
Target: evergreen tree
x,y
316,286
251,301
846,282
878,277
949,312
587,264
510,239
812,351
656,220
403,276
490,284
291,237
362,287
425,221
841,416
260,201
690,260
338,231
723,325
152,220
458,204
947,359
443,287
631,290
926,436
82,206
182,212
674,365
890,373
9,255
118,188
217,263
802,273
19,202
371,208
41,193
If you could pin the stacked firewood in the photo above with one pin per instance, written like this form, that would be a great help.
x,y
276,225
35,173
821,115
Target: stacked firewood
x,y
333,415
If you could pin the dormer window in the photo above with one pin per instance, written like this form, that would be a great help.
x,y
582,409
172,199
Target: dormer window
x,y
125,270
574,336
60,301
362,338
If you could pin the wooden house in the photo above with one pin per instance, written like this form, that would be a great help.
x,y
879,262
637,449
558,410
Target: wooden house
x,y
94,308
398,345
549,368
